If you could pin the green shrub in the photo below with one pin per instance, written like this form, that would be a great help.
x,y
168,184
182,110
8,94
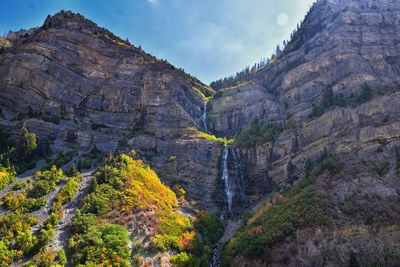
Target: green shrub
x,y
61,256
100,201
45,182
82,222
110,175
105,244
381,168
19,185
96,126
52,220
353,260
210,227
33,204
41,188
257,134
330,164
21,241
183,259
52,119
23,153
62,159
66,193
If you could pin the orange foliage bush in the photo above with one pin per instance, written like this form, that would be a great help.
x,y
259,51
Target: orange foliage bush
x,y
188,241
260,212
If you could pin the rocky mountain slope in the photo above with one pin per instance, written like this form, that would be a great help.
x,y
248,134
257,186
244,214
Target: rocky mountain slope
x,y
79,85
318,125
333,97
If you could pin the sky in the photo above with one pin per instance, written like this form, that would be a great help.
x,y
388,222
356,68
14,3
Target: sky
x,y
209,39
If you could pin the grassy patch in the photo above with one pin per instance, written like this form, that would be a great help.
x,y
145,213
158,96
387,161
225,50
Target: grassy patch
x,y
205,98
211,137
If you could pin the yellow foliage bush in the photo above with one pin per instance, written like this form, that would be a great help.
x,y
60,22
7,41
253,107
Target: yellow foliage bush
x,y
7,176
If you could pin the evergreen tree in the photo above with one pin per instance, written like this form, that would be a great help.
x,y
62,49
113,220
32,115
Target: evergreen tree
x,y
353,260
27,143
93,185
366,93
328,98
110,157
73,171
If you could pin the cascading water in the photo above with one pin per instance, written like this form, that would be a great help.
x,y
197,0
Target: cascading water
x,y
238,178
204,117
225,177
216,256
232,185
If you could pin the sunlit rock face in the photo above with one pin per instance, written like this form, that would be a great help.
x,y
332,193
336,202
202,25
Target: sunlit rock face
x,y
79,85
343,46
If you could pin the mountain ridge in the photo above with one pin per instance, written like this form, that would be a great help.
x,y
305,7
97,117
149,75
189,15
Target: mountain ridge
x,y
316,129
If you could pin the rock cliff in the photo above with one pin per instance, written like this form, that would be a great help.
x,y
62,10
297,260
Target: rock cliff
x,y
337,85
79,85
331,101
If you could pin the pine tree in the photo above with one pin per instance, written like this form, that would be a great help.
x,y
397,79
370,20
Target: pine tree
x,y
93,185
73,171
27,143
353,260
110,158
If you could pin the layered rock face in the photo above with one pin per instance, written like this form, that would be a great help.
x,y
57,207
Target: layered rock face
x,y
343,46
340,44
79,85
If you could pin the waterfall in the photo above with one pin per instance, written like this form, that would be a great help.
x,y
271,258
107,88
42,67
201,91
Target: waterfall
x,y
225,178
215,258
204,117
239,178
231,184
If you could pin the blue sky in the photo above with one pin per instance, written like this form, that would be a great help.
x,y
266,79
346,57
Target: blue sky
x,y
208,38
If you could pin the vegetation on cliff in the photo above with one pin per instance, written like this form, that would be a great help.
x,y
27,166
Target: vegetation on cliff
x,y
210,137
330,100
256,134
7,175
23,153
127,192
17,241
301,206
